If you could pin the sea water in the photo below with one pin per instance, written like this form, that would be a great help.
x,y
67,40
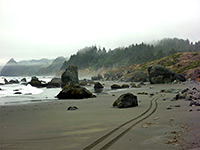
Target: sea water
x,y
28,93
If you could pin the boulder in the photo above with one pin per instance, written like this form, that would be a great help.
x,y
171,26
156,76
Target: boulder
x,y
74,91
36,82
13,81
115,86
179,77
70,76
54,83
139,76
98,85
158,75
23,80
98,77
126,100
125,86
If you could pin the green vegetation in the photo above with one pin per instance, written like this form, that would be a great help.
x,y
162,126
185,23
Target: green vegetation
x,y
95,58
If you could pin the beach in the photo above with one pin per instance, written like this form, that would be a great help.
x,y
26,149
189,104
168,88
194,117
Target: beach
x,y
50,126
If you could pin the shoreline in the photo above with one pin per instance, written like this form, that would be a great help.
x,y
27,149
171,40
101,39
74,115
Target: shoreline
x,y
49,125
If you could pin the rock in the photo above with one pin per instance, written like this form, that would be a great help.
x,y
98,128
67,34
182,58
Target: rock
x,y
72,108
195,103
159,74
139,76
18,93
23,80
126,100
74,91
133,85
6,81
13,81
188,94
98,85
1,89
142,93
98,77
177,105
36,82
179,77
115,86
125,86
169,107
70,76
54,83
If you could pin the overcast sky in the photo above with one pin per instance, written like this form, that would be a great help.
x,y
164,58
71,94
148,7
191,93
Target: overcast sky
x,y
51,28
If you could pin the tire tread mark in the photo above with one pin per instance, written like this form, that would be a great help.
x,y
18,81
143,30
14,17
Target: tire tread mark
x,y
109,144
114,130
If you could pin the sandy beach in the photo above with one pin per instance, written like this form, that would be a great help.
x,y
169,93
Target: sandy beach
x,y
50,126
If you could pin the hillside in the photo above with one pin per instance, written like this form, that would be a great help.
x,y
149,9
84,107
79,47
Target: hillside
x,y
186,63
94,58
53,68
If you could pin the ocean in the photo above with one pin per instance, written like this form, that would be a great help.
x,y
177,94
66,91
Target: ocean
x,y
29,94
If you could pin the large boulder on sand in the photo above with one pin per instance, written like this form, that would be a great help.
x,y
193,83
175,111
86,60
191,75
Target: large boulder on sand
x,y
158,75
126,100
69,76
74,91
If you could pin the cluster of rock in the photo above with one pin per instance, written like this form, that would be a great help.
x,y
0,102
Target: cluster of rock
x,y
71,88
157,74
126,100
192,95
54,83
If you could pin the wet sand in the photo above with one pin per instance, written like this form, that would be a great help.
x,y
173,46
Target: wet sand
x,y
50,126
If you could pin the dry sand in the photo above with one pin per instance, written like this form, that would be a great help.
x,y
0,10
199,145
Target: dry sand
x,y
50,126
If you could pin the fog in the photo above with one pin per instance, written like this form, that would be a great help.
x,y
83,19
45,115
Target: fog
x,y
50,28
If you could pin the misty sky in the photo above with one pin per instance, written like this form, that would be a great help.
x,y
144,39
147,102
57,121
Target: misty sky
x,y
51,28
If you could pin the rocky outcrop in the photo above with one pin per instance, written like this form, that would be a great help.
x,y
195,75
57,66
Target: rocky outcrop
x,y
54,83
69,76
74,91
126,100
37,83
159,74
